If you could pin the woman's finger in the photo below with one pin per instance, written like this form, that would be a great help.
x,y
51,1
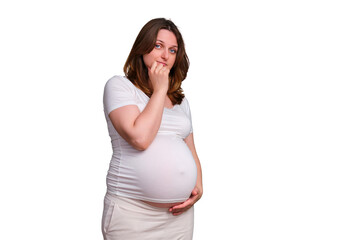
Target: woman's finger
x,y
182,205
190,201
177,214
153,66
179,211
158,67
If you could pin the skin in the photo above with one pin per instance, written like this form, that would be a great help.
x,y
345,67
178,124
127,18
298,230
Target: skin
x,y
140,128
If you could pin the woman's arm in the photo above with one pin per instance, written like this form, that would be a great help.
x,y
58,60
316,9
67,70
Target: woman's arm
x,y
140,128
198,189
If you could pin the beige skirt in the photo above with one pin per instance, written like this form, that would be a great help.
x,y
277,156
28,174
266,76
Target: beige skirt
x,y
127,219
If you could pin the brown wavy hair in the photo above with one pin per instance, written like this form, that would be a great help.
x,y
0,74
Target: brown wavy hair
x,y
135,69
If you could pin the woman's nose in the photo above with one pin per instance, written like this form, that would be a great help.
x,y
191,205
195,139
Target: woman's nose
x,y
165,54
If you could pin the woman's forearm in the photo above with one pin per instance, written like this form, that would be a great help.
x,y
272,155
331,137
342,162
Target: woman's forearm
x,y
148,122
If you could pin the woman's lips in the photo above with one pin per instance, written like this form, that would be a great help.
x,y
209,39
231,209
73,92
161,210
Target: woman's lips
x,y
164,64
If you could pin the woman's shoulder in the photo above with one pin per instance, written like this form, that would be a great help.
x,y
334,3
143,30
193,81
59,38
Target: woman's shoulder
x,y
118,80
184,102
184,105
119,85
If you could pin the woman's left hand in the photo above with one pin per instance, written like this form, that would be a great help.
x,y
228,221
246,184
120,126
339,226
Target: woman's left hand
x,y
196,194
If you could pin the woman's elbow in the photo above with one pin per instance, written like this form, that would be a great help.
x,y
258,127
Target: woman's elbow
x,y
138,141
140,144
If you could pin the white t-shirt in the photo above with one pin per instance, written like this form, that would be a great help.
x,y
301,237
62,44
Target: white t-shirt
x,y
166,171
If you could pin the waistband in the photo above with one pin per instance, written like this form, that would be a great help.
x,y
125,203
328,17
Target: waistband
x,y
135,205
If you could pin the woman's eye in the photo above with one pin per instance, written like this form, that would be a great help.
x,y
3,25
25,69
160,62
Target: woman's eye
x,y
172,50
157,46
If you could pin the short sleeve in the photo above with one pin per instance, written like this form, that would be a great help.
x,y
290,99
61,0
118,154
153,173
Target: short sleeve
x,y
188,113
118,92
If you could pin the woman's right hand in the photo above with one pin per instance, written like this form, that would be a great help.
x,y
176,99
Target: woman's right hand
x,y
159,76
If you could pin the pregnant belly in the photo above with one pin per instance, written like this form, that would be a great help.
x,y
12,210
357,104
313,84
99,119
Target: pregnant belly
x,y
166,171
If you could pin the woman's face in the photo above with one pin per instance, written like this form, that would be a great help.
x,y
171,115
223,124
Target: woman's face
x,y
164,51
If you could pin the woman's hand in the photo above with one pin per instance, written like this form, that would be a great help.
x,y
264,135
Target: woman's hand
x,y
159,76
194,197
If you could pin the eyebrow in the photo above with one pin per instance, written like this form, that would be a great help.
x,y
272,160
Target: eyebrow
x,y
164,42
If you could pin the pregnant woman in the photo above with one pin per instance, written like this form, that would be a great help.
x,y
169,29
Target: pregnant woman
x,y
154,178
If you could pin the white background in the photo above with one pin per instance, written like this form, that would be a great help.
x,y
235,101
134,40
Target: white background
x,y
274,92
